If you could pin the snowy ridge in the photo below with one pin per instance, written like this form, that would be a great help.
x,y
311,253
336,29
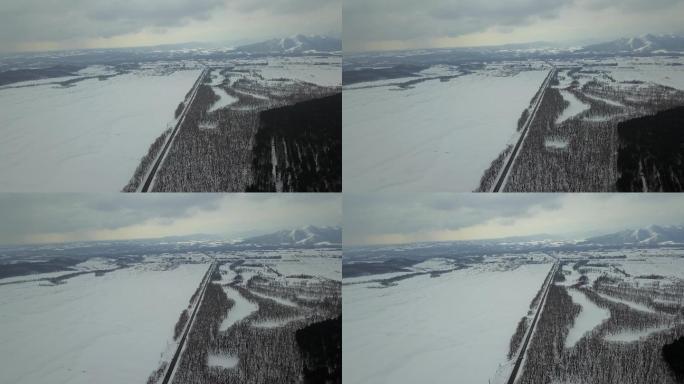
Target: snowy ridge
x,y
305,236
647,43
651,235
295,44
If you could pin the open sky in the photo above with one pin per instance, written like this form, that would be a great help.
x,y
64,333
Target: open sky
x,y
407,24
38,25
406,218
54,218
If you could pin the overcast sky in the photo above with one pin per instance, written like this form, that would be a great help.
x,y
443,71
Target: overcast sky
x,y
48,218
405,24
37,25
406,218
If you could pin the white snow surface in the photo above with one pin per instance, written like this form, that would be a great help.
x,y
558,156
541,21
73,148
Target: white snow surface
x,y
107,329
435,136
222,361
433,330
276,323
88,137
240,310
589,318
627,336
224,99
575,108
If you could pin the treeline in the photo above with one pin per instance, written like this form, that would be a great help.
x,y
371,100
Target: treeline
x,y
588,161
593,359
276,344
213,152
549,337
192,364
180,324
146,162
305,142
651,152
321,347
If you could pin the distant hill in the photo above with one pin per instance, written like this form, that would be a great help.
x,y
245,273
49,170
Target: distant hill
x,y
651,235
641,44
296,44
305,236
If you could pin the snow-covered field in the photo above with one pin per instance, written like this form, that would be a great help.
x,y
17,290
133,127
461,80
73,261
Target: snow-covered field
x,y
435,330
590,316
575,108
658,70
93,329
435,136
86,137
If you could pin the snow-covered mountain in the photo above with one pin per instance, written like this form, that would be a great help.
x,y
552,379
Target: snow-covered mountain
x,y
305,236
294,45
641,44
651,235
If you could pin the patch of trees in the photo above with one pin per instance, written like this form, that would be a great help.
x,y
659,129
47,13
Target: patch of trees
x,y
373,74
589,161
549,337
157,374
22,268
179,109
673,353
517,338
213,152
180,324
321,347
146,162
305,141
191,367
523,118
593,359
268,353
651,152
19,75
489,177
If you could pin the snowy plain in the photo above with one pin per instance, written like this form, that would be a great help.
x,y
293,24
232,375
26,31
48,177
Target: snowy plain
x,y
88,137
93,329
590,317
434,330
437,135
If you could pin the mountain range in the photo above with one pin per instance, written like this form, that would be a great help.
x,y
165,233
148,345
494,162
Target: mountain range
x,y
647,43
651,235
295,44
305,236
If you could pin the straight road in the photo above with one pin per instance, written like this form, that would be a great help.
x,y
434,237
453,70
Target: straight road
x,y
148,183
503,174
540,307
172,364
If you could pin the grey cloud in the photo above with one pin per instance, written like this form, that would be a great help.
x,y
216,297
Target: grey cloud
x,y
366,215
281,6
26,21
45,213
36,20
25,216
631,5
379,20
